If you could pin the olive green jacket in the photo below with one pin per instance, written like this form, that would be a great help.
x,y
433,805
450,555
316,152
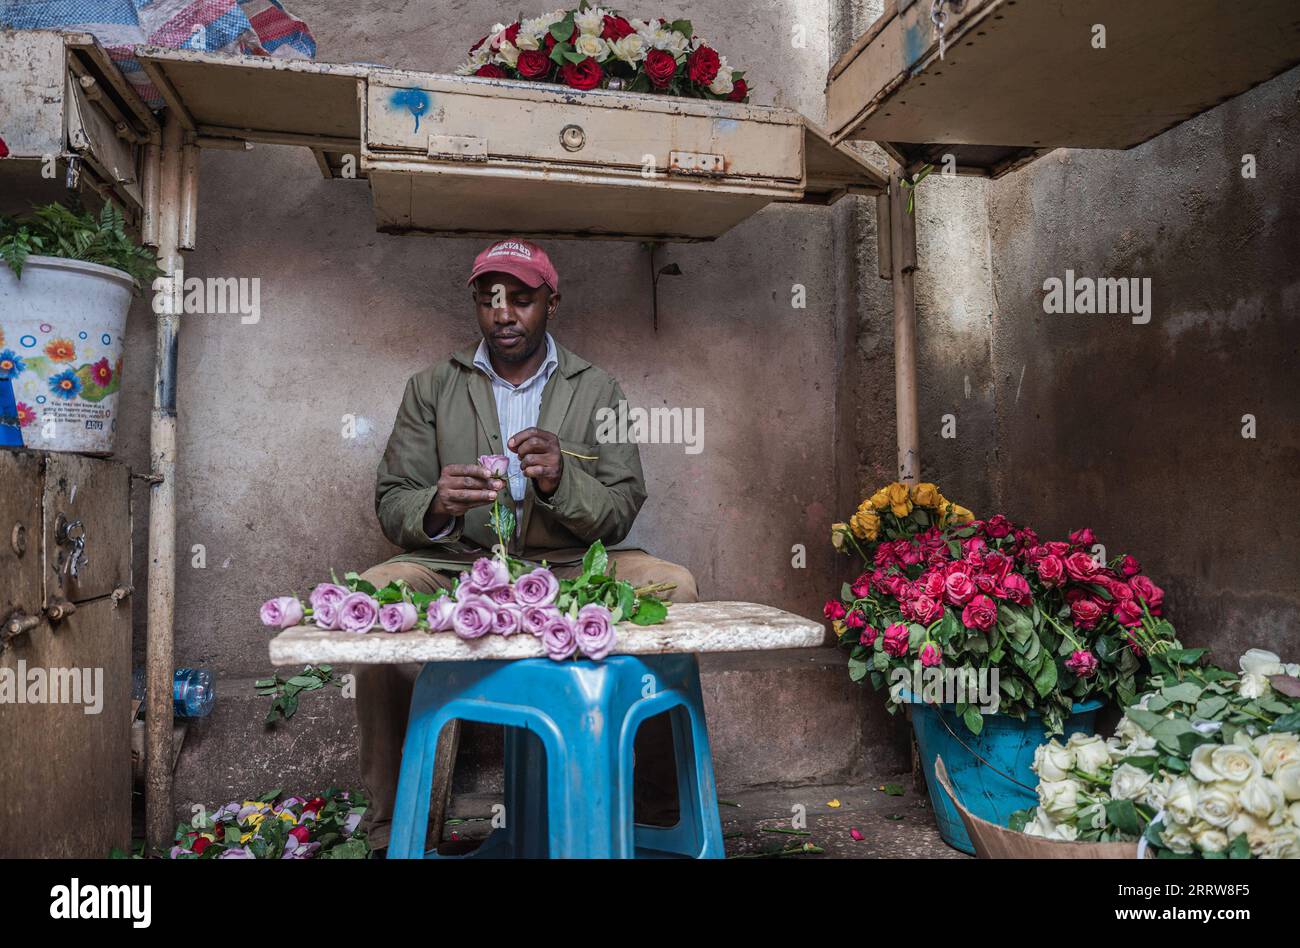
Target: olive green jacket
x,y
448,416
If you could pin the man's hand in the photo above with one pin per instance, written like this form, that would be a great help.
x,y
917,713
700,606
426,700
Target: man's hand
x,y
461,487
539,458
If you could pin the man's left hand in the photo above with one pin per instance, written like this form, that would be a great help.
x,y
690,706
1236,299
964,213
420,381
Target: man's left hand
x,y
539,458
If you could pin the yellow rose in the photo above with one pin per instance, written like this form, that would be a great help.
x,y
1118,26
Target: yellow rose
x,y
900,500
925,495
837,534
880,499
865,525
838,626
961,515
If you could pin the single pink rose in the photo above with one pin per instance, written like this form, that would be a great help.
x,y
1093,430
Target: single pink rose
x,y
594,631
472,618
495,464
326,593
958,588
855,619
834,609
927,610
439,613
503,596
283,612
931,655
1086,611
1015,588
1126,611
932,584
399,616
1083,663
896,640
533,619
1051,571
1129,566
326,615
1083,538
868,637
358,613
537,588
489,573
997,527
559,638
1149,592
861,587
980,613
1081,567
506,620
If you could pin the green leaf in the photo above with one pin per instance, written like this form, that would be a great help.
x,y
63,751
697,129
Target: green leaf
x,y
684,27
594,561
973,719
1046,678
857,669
649,611
892,789
1287,722
1187,692
1125,817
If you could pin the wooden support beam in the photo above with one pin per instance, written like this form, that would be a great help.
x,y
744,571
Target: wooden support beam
x,y
160,658
903,263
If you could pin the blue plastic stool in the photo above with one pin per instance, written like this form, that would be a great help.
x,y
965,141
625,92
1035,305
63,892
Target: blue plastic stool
x,y
570,728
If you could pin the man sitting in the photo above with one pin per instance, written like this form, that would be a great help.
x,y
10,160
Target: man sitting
x,y
520,394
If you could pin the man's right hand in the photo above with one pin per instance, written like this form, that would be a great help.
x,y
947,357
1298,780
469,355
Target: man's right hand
x,y
461,487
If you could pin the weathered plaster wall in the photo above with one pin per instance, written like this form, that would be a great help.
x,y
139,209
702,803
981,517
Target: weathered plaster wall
x,y
1136,430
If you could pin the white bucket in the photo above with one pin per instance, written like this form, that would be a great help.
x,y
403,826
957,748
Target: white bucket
x,y
61,330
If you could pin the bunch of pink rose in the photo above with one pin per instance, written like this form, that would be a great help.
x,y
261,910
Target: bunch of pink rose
x,y
485,601
1057,621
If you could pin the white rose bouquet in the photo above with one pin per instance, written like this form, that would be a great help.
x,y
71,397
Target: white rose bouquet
x,y
1206,765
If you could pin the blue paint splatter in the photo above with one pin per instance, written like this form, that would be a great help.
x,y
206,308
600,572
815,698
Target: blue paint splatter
x,y
415,101
27,341
106,339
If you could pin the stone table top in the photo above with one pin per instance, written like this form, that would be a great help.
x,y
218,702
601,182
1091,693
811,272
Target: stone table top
x,y
690,627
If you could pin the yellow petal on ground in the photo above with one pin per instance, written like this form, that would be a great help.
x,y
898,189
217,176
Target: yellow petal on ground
x,y
833,804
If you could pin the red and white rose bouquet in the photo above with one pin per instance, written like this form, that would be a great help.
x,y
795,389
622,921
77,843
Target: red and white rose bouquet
x,y
595,47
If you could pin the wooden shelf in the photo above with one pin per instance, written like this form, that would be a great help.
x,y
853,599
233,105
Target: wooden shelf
x,y
1021,77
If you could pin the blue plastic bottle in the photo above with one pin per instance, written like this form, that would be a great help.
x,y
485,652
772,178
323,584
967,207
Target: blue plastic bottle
x,y
193,691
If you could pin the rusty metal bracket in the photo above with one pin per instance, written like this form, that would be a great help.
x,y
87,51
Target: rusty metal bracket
x,y
150,478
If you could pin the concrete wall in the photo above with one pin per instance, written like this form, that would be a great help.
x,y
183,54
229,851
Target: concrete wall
x,y
1136,430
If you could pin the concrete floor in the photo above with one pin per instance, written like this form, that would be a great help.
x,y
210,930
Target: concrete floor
x,y
760,823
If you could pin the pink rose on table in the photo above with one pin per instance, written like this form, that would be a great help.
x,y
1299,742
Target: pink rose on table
x,y
1149,592
1051,570
1081,567
1082,662
399,617
896,638
931,655
868,637
594,631
506,620
283,612
439,613
559,638
358,613
980,613
323,593
326,615
495,464
489,573
472,618
533,619
834,609
958,588
538,588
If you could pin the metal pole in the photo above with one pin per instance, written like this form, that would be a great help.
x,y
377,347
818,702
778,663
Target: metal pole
x,y
162,502
903,264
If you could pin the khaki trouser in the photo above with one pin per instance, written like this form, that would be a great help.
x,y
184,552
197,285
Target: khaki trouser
x,y
383,692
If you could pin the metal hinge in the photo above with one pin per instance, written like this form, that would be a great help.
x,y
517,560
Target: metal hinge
x,y
694,162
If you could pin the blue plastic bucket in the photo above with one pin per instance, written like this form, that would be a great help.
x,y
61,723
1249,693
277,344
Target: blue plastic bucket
x,y
1006,743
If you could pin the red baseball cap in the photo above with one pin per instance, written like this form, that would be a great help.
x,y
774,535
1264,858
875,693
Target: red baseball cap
x,y
519,258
